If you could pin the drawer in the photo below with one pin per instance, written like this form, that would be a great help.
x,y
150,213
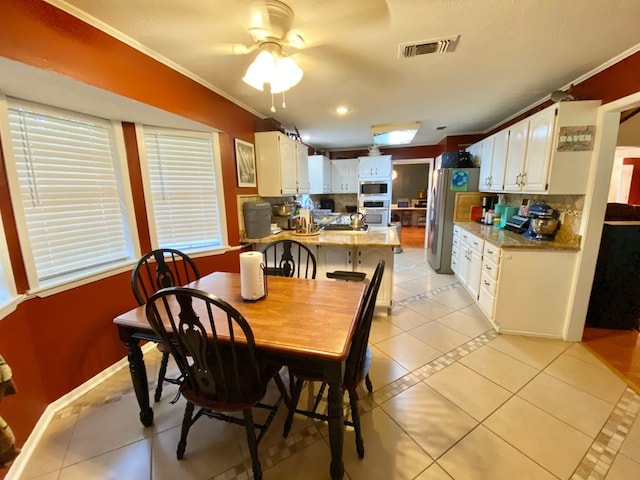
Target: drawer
x,y
454,250
456,231
490,269
492,253
486,301
476,243
456,241
488,283
454,263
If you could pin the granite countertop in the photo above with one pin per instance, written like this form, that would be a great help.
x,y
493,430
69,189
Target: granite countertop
x,y
373,237
506,239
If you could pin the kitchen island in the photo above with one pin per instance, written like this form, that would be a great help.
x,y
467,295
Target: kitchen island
x,y
354,251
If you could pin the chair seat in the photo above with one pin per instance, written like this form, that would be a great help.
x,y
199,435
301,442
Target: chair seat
x,y
309,376
346,275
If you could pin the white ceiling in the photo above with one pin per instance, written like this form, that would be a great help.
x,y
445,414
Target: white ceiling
x,y
511,54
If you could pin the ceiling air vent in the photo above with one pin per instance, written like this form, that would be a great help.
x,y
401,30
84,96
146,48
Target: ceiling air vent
x,y
424,47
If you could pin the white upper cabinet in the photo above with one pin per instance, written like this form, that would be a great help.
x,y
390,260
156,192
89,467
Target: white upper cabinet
x,y
483,160
547,153
516,151
378,166
499,160
302,168
319,174
557,150
344,176
491,155
277,163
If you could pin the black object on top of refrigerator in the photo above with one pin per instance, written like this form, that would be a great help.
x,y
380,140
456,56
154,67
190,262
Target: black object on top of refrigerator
x,y
446,183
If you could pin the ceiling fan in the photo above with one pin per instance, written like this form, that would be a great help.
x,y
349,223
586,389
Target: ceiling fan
x,y
270,26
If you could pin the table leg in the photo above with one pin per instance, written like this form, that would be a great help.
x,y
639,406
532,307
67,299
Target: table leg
x,y
139,379
336,424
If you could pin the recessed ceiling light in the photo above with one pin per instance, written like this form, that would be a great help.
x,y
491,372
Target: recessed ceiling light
x,y
342,110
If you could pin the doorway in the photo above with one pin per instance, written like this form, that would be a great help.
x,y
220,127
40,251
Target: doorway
x,y
411,184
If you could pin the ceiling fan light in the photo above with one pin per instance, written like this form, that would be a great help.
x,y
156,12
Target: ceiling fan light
x,y
286,75
261,70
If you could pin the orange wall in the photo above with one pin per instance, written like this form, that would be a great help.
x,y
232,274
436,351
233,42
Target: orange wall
x,y
55,344
634,189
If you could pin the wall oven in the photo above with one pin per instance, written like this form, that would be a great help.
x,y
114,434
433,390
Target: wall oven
x,y
369,188
376,212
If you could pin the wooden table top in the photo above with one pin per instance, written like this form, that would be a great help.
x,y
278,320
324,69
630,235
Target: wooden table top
x,y
313,318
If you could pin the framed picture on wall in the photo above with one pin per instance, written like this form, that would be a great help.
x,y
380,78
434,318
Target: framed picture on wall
x,y
246,164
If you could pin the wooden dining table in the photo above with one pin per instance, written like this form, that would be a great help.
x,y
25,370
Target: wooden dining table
x,y
301,322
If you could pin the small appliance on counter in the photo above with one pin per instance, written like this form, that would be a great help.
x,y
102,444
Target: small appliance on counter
x,y
257,219
543,222
283,216
517,224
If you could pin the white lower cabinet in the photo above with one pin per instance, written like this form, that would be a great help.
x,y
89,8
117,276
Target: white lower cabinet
x,y
489,278
358,259
521,291
455,249
470,262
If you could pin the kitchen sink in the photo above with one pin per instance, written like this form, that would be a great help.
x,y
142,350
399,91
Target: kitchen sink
x,y
344,229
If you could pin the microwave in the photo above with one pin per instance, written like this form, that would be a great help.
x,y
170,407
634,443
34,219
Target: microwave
x,y
374,187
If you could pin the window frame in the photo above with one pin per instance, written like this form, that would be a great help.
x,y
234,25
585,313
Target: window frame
x,y
88,275
146,183
6,277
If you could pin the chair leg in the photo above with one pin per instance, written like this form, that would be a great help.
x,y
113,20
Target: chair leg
x,y
295,397
367,381
355,416
186,425
161,374
253,444
282,389
319,396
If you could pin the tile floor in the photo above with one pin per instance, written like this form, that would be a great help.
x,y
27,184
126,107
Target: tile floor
x,y
452,400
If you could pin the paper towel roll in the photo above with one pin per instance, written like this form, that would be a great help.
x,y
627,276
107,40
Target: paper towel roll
x,y
251,276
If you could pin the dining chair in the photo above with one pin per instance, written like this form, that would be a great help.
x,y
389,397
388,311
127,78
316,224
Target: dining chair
x,y
214,348
164,267
356,368
289,258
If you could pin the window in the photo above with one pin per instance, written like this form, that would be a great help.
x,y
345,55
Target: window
x,y
183,189
67,176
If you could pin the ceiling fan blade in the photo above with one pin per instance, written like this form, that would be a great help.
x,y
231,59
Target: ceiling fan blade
x,y
319,24
232,48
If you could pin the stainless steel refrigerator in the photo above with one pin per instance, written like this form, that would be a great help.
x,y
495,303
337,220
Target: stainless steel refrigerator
x,y
445,184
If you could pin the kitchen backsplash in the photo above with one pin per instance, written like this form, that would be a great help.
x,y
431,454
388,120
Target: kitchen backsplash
x,y
569,205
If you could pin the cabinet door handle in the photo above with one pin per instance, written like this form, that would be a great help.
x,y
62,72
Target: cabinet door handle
x,y
487,267
486,283
524,178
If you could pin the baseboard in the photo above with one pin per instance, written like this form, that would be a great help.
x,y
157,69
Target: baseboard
x,y
36,434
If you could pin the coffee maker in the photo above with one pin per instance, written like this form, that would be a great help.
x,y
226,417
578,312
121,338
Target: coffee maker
x,y
488,203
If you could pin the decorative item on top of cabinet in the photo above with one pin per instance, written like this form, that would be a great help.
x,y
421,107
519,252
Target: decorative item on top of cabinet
x,y
282,165
374,166
538,160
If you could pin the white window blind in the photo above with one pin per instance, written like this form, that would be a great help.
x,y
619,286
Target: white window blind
x,y
185,201
71,192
